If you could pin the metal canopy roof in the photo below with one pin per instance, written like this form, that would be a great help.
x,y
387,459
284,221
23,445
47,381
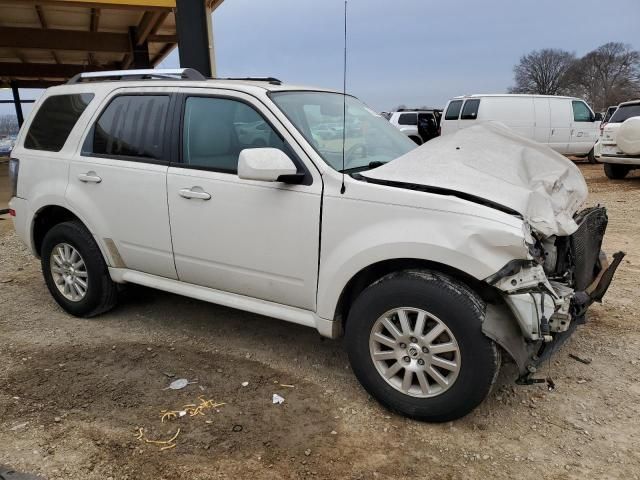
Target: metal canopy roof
x,y
45,42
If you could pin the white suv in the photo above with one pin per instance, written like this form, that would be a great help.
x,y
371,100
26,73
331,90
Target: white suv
x,y
154,178
619,144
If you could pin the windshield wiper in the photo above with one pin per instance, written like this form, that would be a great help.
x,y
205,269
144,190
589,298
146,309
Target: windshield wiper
x,y
362,168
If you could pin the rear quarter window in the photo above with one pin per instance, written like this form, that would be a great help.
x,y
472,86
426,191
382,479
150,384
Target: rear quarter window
x,y
625,112
54,121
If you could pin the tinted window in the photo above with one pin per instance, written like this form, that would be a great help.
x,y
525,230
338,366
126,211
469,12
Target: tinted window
x,y
470,110
610,111
453,110
408,119
217,129
581,113
624,112
132,126
54,121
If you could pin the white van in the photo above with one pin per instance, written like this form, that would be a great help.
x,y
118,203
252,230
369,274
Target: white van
x,y
566,124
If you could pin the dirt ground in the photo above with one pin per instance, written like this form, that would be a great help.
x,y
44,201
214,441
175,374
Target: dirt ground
x,y
73,393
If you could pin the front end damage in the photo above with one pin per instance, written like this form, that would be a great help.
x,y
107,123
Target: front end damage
x,y
550,293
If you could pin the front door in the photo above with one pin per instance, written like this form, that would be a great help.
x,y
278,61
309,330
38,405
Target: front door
x,y
583,129
117,182
259,239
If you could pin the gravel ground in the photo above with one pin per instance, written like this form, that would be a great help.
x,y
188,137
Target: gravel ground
x,y
74,393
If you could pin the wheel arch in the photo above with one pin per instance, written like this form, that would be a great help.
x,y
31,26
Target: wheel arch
x,y
371,273
44,219
50,215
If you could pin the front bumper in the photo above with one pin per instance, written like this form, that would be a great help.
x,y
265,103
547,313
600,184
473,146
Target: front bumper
x,y
548,305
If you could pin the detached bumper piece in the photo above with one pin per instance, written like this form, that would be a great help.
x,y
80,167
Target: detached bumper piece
x,y
596,291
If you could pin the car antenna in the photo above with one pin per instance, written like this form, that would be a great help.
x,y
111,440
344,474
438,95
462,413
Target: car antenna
x,y
344,96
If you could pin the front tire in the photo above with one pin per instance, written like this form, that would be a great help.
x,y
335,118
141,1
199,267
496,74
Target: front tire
x,y
75,271
415,343
616,172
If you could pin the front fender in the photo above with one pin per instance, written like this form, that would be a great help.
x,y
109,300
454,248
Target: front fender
x,y
469,244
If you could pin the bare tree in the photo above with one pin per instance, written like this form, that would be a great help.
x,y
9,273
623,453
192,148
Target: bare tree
x,y
543,72
608,75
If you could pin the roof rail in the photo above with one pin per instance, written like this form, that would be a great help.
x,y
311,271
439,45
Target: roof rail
x,y
271,80
180,73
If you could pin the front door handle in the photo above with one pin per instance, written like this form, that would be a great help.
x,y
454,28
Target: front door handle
x,y
194,192
89,177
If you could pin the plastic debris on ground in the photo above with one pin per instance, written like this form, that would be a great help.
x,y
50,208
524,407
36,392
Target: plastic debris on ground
x,y
277,399
179,384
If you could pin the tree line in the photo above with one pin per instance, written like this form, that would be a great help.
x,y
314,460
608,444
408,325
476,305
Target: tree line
x,y
606,76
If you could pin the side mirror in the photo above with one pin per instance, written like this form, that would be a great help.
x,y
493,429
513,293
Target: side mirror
x,y
597,117
267,165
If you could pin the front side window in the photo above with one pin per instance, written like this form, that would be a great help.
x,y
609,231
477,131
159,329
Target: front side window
x,y
54,121
470,110
369,140
581,113
625,112
132,126
408,119
216,130
453,110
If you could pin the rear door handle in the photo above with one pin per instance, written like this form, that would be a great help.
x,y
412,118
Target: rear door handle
x,y
194,192
89,177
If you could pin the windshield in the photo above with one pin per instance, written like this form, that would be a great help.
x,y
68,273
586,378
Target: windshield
x,y
370,140
625,112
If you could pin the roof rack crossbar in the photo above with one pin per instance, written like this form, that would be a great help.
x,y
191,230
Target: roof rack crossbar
x,y
180,73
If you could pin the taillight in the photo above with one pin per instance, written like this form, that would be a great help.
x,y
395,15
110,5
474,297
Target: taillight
x,y
14,167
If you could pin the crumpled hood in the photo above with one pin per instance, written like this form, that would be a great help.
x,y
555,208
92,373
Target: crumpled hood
x,y
492,162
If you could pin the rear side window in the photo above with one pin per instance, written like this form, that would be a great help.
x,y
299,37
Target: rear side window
x,y
408,119
216,130
132,126
581,113
54,121
470,110
625,112
453,110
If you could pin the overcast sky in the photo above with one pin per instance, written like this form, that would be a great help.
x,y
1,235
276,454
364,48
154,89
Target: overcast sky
x,y
413,52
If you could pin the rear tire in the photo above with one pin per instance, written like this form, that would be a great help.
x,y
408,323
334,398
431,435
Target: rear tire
x,y
417,140
592,157
448,306
83,264
616,172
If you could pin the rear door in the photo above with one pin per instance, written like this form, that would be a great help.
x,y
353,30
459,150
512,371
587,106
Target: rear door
x,y
560,120
117,180
542,124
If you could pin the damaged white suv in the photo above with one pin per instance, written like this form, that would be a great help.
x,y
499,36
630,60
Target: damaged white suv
x,y
431,260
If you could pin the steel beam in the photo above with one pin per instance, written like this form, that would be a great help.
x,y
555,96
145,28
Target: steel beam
x,y
194,36
53,39
16,102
